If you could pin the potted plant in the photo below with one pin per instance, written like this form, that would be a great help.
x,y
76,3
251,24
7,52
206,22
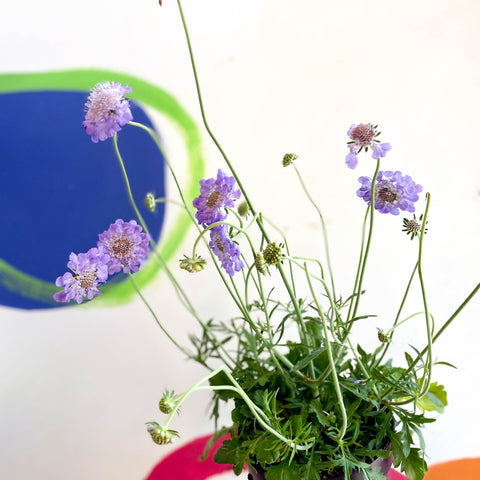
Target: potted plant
x,y
307,400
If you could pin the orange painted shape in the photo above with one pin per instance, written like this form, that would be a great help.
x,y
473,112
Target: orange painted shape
x,y
465,469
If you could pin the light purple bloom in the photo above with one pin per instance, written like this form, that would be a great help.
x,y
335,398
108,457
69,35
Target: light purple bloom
x,y
393,192
215,196
363,136
126,245
89,270
107,110
226,251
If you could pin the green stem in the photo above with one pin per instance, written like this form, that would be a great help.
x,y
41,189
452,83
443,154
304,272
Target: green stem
x,y
331,361
324,229
259,414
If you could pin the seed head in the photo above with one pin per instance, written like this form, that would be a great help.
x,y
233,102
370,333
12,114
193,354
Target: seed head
x,y
272,254
167,402
261,264
161,435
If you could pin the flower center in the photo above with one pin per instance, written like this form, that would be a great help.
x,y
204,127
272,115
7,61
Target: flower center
x,y
121,247
386,195
87,279
363,134
213,199
413,226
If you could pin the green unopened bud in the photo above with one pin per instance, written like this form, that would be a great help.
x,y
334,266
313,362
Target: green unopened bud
x,y
272,253
243,209
383,337
167,402
193,265
288,158
260,263
150,202
161,435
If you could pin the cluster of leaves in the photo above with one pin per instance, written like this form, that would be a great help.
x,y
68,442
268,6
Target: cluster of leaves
x,y
305,411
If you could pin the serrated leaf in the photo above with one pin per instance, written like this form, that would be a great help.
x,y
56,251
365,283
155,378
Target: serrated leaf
x,y
434,400
267,450
414,466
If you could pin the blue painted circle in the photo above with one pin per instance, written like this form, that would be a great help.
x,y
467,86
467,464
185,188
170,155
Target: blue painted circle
x,y
59,190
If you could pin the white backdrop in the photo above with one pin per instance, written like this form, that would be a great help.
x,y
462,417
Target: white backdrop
x,y
76,385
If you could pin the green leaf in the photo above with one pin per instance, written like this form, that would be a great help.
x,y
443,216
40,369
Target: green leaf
x,y
267,450
282,471
233,454
414,466
434,400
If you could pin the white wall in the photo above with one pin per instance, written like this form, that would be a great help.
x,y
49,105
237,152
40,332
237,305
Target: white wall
x,y
77,385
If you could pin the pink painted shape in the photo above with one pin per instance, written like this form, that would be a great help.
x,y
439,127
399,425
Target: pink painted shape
x,y
185,464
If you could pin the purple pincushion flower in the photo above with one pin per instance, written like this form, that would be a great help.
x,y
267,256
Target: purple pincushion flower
x,y
107,110
226,251
363,136
89,270
126,245
215,195
393,192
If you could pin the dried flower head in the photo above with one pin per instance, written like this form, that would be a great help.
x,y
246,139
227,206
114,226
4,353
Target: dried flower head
x,y
215,196
363,136
107,110
288,158
393,192
413,226
89,270
126,244
272,253
193,265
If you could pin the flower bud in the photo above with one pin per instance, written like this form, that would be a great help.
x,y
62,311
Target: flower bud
x,y
150,202
243,209
167,402
260,263
383,337
192,265
161,435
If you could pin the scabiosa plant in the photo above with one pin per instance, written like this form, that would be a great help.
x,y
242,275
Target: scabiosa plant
x,y
126,244
393,192
107,110
363,136
225,249
215,196
89,270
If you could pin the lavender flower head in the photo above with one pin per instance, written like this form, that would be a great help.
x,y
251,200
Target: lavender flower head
x,y
226,251
107,110
215,195
393,192
363,136
126,245
89,270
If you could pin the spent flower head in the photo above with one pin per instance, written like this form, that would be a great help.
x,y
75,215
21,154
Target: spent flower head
x,y
107,110
215,195
363,136
161,435
88,271
126,245
393,192
412,226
